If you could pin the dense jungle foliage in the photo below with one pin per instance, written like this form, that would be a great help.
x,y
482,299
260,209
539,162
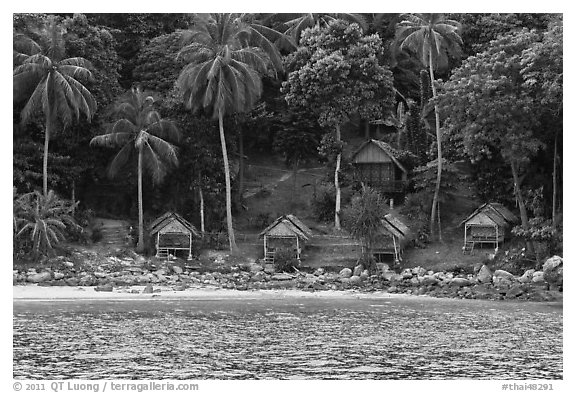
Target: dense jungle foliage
x,y
488,85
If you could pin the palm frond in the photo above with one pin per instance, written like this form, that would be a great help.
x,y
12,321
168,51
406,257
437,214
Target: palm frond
x,y
121,159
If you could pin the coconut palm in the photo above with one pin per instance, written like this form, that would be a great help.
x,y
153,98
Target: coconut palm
x,y
140,133
225,56
50,83
45,218
433,39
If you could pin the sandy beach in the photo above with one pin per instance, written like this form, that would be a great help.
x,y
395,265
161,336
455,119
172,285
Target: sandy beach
x,y
34,292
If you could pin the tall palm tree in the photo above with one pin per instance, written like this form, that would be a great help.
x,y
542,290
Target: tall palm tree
x,y
50,83
140,132
225,56
432,38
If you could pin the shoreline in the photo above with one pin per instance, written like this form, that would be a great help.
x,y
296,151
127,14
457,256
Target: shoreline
x,y
42,293
35,293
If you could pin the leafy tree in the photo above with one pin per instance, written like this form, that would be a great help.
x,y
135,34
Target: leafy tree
x,y
363,219
45,218
225,57
140,132
337,73
432,38
133,31
157,65
491,110
301,22
50,83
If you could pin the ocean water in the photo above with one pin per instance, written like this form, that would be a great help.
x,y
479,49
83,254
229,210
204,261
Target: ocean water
x,y
287,338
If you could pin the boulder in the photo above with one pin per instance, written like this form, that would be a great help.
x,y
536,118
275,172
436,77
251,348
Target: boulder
x,y
355,280
258,277
538,277
553,270
282,277
100,275
177,269
364,275
527,276
58,276
429,280
382,267
39,277
406,273
387,275
502,278
460,282
358,270
320,271
484,275
345,273
148,289
419,271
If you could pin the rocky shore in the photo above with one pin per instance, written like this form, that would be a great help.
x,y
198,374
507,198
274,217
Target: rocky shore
x,y
122,274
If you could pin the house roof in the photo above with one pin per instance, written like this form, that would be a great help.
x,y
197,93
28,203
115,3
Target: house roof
x,y
292,224
386,148
496,212
166,219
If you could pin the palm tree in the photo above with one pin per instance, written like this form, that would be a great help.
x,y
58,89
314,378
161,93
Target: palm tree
x,y
225,56
141,132
50,83
45,218
432,38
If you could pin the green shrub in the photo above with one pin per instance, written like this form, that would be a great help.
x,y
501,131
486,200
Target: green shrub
x,y
285,260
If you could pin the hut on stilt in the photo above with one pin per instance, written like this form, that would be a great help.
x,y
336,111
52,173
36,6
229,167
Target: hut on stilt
x,y
172,233
391,240
285,232
490,223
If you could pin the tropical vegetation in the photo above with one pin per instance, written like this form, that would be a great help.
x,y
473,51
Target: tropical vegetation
x,y
192,99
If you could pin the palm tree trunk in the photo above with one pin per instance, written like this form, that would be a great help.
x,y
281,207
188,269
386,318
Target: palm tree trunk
x,y
140,246
439,149
202,228
241,168
554,182
45,160
231,238
520,200
337,183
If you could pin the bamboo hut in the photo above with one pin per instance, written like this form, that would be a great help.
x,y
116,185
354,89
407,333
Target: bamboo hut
x,y
377,167
285,232
172,233
490,223
391,240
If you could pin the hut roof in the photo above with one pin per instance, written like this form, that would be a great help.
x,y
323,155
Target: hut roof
x,y
386,148
392,227
496,212
288,225
168,218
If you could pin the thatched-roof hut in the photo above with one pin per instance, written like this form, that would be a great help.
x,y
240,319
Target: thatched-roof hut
x,y
172,233
285,232
490,223
392,238
377,167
